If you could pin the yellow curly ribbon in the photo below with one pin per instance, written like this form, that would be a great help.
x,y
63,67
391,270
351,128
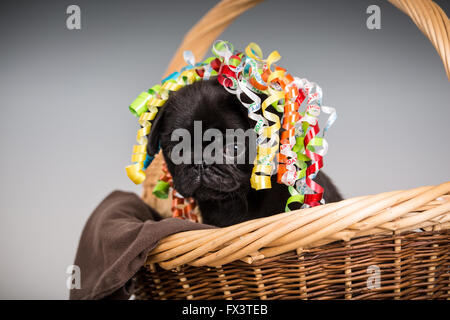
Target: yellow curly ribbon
x,y
266,152
154,99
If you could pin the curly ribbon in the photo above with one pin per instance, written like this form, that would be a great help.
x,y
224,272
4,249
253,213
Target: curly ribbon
x,y
294,150
306,142
266,149
281,87
183,208
287,172
230,72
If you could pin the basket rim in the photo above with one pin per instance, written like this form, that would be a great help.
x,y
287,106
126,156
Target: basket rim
x,y
388,212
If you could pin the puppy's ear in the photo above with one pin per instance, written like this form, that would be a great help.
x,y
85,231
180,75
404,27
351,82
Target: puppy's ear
x,y
155,133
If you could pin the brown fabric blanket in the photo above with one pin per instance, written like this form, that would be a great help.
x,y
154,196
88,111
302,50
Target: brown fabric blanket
x,y
115,242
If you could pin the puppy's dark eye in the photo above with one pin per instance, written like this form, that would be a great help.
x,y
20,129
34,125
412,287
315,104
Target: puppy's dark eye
x,y
233,149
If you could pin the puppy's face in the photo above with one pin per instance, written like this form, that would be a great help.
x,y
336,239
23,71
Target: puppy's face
x,y
208,105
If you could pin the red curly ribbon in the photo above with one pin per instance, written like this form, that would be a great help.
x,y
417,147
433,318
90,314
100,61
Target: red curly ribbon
x,y
313,199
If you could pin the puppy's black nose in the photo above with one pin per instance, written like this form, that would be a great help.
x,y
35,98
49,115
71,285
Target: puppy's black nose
x,y
222,178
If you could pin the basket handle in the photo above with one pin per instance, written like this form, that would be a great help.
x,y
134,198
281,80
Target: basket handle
x,y
433,22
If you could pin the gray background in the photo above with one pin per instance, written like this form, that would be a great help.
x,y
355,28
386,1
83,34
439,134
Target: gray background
x,y
67,134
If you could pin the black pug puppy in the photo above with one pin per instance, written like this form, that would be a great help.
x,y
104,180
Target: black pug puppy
x,y
222,191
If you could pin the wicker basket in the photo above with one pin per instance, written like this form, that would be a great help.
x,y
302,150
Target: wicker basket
x,y
393,245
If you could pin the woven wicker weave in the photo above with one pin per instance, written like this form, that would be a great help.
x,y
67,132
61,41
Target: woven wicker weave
x,y
335,251
412,266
